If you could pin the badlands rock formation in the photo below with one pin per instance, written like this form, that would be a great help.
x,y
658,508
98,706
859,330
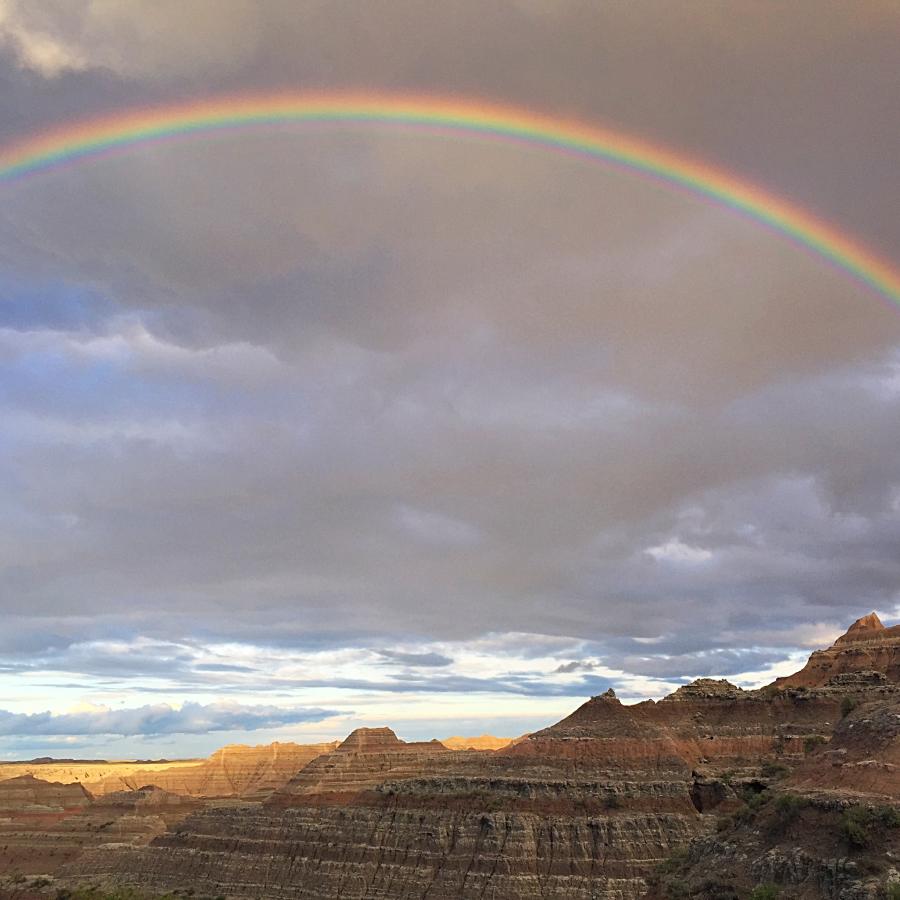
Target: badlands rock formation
x,y
585,809
27,794
380,817
44,825
90,773
829,826
234,771
482,742
867,646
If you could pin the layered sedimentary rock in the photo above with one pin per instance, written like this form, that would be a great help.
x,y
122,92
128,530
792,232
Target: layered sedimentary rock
x,y
830,825
27,794
90,773
45,825
382,818
863,754
867,646
233,771
807,846
482,742
236,770
702,724
586,808
367,758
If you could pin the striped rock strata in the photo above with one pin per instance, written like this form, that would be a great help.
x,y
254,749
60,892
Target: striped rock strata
x,y
585,809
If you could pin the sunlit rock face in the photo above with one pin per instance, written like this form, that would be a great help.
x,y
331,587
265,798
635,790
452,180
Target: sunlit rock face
x,y
29,794
481,742
585,808
867,646
233,771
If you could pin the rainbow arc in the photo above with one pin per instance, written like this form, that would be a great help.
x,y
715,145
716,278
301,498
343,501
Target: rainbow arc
x,y
82,141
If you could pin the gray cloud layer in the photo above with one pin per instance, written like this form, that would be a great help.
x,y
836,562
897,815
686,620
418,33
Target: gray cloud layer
x,y
191,718
344,387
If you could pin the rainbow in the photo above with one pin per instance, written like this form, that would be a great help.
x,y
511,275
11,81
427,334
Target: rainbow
x,y
89,139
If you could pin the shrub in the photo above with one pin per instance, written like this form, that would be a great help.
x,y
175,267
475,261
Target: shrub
x,y
888,816
723,823
771,769
757,800
848,704
788,806
674,863
765,892
860,825
813,741
786,809
716,889
892,891
677,890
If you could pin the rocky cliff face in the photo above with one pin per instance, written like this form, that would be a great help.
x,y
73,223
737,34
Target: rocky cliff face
x,y
704,724
368,852
27,794
863,754
867,646
801,846
91,773
234,771
44,825
828,825
482,742
586,808
368,757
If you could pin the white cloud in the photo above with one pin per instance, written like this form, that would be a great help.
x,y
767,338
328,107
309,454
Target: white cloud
x,y
162,40
676,551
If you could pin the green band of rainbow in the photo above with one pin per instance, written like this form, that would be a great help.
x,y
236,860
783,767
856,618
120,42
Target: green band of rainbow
x,y
91,138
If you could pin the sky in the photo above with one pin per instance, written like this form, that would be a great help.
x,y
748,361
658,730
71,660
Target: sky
x,y
307,429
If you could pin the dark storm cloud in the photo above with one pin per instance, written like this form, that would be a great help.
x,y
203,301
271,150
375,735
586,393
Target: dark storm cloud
x,y
353,388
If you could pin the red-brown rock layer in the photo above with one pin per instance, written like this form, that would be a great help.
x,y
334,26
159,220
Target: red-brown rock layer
x,y
867,646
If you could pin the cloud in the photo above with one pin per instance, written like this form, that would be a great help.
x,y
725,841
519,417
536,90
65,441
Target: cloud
x,y
576,665
335,390
675,551
428,660
190,718
133,38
